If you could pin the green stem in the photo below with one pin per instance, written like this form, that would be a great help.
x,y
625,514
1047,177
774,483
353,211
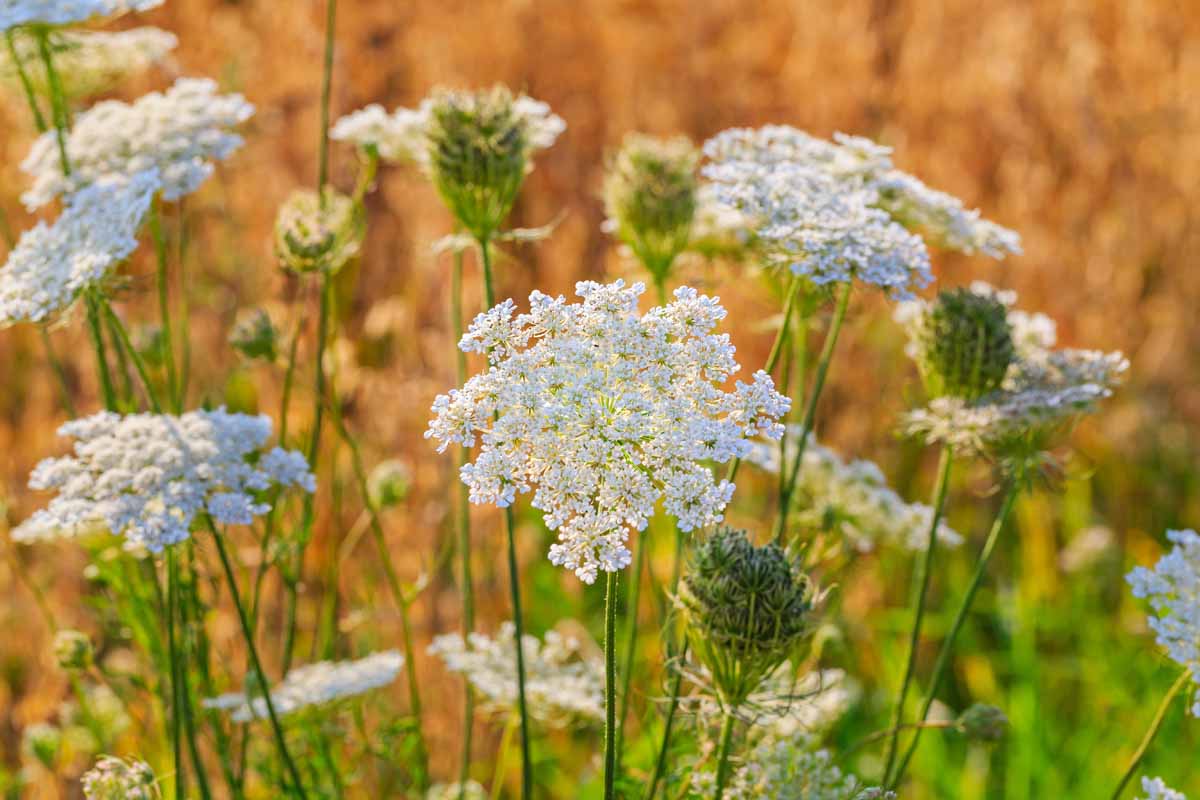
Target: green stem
x,y
947,648
184,692
723,755
1155,725
58,102
610,685
255,662
60,372
326,89
30,95
97,336
921,594
810,412
138,363
501,759
154,220
631,610
660,762
185,313
176,669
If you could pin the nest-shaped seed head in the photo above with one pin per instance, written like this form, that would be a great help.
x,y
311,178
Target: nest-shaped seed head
x,y
311,236
964,344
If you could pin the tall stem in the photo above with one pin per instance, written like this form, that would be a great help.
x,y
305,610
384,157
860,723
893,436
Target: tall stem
x,y
610,685
660,762
26,84
97,336
947,648
921,593
60,371
164,303
255,662
326,89
134,356
176,669
1155,725
810,412
723,755
631,611
58,100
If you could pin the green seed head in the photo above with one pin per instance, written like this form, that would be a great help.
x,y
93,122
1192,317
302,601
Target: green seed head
x,y
479,150
650,194
982,723
310,237
254,336
72,650
964,344
43,741
388,483
747,609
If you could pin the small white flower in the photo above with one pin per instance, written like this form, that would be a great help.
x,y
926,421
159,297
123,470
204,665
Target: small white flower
x,y
562,685
146,476
1173,589
117,779
602,412
314,685
64,12
1155,789
88,62
52,264
788,769
180,132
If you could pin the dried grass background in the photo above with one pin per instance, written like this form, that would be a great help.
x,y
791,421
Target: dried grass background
x,y
1077,123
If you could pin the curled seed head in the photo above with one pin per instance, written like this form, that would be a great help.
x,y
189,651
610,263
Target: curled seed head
x,y
311,237
254,336
983,723
72,650
965,344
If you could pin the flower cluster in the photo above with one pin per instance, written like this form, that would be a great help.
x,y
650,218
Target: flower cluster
x,y
717,229
88,62
146,476
853,498
471,790
563,685
57,12
52,264
314,685
117,779
786,705
789,769
318,232
1155,789
605,412
1173,589
1043,387
180,131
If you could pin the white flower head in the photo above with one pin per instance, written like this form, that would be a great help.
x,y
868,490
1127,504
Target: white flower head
x,y
52,264
180,132
88,62
1173,589
1156,789
563,685
787,705
788,769
854,497
314,685
147,476
65,12
1044,387
117,779
605,411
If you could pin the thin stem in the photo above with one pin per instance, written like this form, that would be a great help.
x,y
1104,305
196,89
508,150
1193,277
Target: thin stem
x,y
60,372
260,673
660,763
326,89
501,758
176,669
58,101
1155,724
97,337
138,363
610,685
184,692
947,648
30,95
921,589
631,610
164,302
514,580
810,412
185,313
723,755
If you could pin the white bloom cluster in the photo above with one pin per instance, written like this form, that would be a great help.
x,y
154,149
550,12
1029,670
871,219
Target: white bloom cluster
x,y
562,684
855,498
64,12
1156,789
117,779
471,790
146,476
179,131
1043,388
89,62
605,412
787,705
1173,588
401,135
52,264
716,227
789,769
314,685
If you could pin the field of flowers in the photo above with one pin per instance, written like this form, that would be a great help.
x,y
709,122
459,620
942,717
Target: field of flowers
x,y
345,345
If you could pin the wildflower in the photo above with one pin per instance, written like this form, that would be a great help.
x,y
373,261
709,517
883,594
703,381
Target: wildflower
x,y
788,769
747,609
117,779
311,235
786,704
1042,388
146,476
254,335
964,344
605,412
42,741
97,722
53,264
314,685
717,229
57,12
982,723
180,131
388,483
562,684
650,198
471,790
72,650
1173,589
854,498
88,62
1155,789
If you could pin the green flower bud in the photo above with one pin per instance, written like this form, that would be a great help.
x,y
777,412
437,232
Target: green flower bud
x,y
964,344
151,344
72,650
311,238
982,723
650,195
479,151
388,483
747,610
43,741
254,336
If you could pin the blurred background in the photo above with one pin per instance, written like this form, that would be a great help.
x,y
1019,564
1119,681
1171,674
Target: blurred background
x,y
1074,123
